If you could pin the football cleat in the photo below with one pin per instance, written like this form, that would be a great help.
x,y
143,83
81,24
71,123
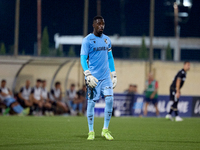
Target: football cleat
x,y
169,117
178,118
105,133
91,135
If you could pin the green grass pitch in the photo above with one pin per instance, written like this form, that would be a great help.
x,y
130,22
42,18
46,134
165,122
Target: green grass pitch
x,y
70,133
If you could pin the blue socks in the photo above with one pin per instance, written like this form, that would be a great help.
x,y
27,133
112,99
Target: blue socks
x,y
90,114
108,111
18,109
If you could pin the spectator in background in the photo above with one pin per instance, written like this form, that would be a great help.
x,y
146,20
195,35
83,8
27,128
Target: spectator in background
x,y
47,109
132,89
135,90
36,98
24,95
9,101
71,94
80,99
55,96
151,94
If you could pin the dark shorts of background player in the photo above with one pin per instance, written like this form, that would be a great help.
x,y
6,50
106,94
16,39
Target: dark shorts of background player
x,y
154,101
172,95
53,103
22,103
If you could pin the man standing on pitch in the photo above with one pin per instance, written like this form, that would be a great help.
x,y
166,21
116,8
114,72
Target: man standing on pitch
x,y
175,91
96,48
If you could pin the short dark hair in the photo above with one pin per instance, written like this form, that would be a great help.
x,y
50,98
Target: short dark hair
x,y
3,80
57,83
39,80
97,17
43,81
185,62
72,85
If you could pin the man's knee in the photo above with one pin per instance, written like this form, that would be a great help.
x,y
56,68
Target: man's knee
x,y
109,99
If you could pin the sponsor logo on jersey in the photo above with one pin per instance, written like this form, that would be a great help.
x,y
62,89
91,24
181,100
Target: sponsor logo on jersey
x,y
105,40
100,48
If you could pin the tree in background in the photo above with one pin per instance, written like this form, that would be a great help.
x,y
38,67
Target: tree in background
x,y
45,42
168,52
3,49
71,52
143,53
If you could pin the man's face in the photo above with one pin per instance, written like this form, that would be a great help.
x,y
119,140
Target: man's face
x,y
28,83
3,84
187,66
44,84
72,88
99,26
150,76
38,84
58,86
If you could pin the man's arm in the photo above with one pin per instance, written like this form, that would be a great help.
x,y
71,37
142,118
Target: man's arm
x,y
112,68
91,80
155,91
20,94
178,83
60,96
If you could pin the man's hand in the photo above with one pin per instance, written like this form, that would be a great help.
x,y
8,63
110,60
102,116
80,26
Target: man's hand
x,y
178,93
114,79
91,80
152,96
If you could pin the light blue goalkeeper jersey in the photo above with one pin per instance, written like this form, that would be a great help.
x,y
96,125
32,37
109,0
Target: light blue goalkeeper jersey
x,y
97,48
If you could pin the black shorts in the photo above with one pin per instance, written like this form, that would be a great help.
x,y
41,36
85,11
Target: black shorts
x,y
173,95
21,102
53,103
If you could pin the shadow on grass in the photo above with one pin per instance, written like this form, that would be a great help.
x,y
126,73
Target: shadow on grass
x,y
85,136
30,144
162,141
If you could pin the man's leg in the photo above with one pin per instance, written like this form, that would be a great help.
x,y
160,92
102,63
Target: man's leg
x,y
16,107
108,111
90,115
175,106
145,108
107,90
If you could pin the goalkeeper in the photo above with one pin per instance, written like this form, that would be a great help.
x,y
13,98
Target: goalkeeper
x,y
96,48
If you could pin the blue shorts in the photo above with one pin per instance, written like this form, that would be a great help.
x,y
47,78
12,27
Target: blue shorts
x,y
9,101
103,88
154,101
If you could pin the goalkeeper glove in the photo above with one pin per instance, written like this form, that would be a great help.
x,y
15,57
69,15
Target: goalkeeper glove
x,y
91,80
114,79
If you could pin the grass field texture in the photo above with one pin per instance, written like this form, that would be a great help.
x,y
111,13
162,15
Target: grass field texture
x,y
70,133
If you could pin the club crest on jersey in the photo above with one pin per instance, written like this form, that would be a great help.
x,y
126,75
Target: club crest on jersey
x,y
105,40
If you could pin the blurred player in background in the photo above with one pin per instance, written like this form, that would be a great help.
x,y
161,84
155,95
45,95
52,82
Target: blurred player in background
x,y
80,99
36,98
175,92
55,96
9,101
151,93
71,94
47,107
96,48
24,95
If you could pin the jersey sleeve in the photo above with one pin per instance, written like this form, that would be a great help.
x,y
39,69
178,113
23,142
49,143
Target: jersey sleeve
x,y
180,75
32,90
109,45
21,90
52,91
85,47
156,85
